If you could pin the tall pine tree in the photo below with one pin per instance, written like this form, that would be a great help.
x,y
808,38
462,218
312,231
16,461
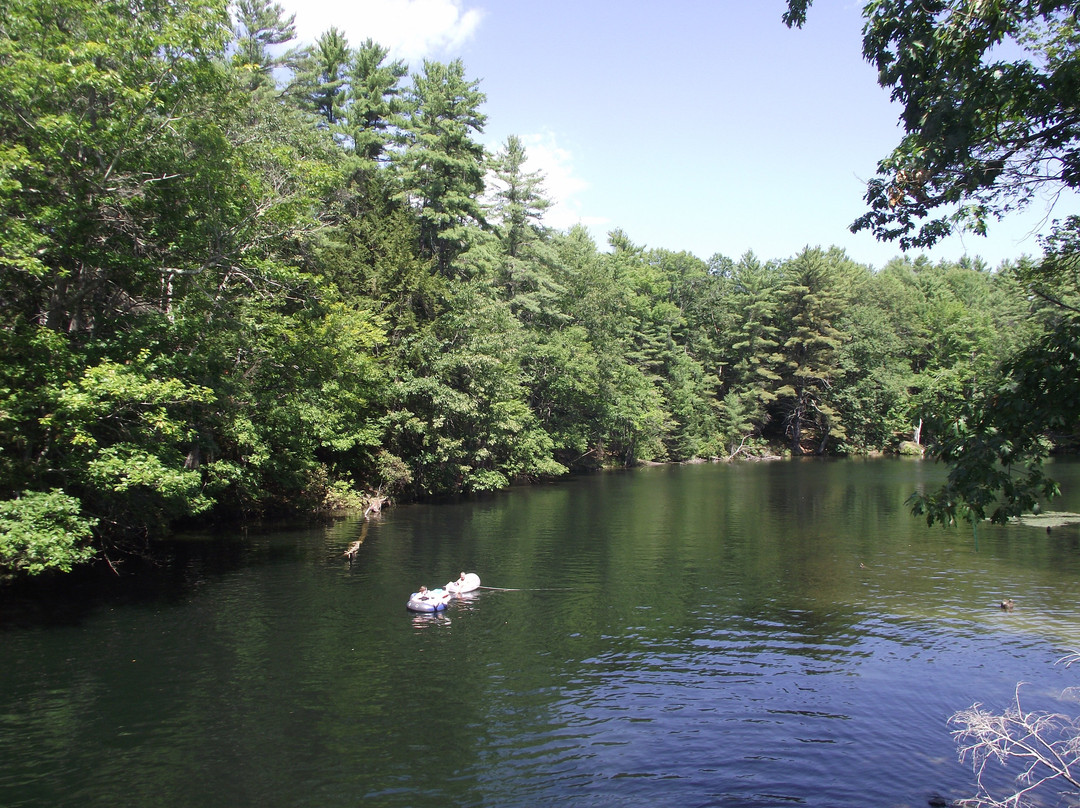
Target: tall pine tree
x,y
442,165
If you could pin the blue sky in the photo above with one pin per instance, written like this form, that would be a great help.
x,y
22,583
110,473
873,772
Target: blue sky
x,y
698,125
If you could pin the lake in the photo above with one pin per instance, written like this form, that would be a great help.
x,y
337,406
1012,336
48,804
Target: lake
x,y
768,634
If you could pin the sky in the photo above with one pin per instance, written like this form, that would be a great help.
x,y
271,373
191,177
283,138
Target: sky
x,y
698,125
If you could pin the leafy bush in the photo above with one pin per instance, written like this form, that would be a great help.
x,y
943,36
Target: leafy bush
x,y
43,530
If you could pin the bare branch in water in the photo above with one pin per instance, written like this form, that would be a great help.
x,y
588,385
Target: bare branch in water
x,y
1047,746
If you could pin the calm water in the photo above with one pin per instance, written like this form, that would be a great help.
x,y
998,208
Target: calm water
x,y
750,635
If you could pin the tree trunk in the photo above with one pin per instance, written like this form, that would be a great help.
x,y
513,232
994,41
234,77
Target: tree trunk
x,y
824,440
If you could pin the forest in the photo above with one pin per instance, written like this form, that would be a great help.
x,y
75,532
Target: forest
x,y
241,279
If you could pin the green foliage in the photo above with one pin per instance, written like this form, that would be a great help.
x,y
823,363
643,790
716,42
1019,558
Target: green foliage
x,y
739,419
43,531
35,364
817,288
442,166
298,389
634,420
459,412
562,373
115,433
394,474
375,101
94,120
871,389
984,135
341,495
519,203
320,82
1055,279
751,341
525,274
996,446
259,24
224,296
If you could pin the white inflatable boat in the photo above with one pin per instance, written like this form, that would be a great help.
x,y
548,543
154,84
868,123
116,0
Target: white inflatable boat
x,y
433,600
466,583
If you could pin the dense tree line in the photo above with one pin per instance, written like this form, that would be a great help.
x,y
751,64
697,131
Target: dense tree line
x,y
987,91
237,280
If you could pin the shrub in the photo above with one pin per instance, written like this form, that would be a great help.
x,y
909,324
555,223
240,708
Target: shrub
x,y
41,531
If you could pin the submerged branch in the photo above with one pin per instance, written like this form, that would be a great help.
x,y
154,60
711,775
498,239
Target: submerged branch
x,y
1047,745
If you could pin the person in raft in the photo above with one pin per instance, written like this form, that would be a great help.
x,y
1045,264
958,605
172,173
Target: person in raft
x,y
422,594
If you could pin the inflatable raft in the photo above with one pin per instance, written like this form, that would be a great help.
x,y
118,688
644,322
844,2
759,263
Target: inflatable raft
x,y
466,583
433,600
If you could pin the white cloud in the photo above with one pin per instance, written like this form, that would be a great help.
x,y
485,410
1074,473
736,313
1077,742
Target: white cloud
x,y
412,29
561,185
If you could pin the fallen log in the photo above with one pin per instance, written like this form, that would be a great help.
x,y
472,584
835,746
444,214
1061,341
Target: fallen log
x,y
375,505
351,552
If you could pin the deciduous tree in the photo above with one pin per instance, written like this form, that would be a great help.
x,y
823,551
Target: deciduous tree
x,y
988,98
988,103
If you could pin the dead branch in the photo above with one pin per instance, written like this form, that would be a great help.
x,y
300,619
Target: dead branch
x,y
1047,746
738,451
375,505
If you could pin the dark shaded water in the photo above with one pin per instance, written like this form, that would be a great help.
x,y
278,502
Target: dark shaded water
x,y
759,635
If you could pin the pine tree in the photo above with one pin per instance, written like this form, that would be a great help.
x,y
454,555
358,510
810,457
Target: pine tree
x,y
259,24
753,341
525,273
442,165
376,104
320,85
814,297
